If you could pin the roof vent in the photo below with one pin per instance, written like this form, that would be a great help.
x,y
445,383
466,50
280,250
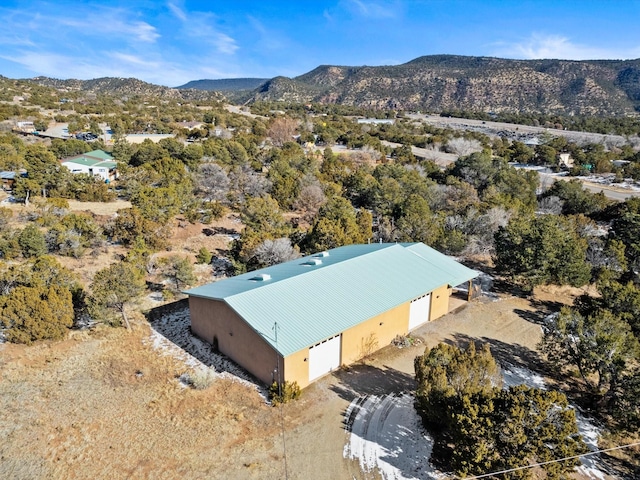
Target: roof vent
x,y
322,254
261,277
312,261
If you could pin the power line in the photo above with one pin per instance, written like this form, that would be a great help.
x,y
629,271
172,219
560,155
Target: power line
x,y
485,475
279,380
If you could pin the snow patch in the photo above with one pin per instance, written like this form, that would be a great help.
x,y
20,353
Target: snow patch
x,y
386,436
608,179
171,335
590,433
513,376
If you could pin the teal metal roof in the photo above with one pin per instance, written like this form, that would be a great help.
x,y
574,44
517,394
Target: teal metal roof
x,y
89,162
99,154
95,158
318,296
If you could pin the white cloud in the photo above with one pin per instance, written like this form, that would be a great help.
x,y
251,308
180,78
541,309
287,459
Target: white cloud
x,y
84,22
200,25
373,10
269,39
143,31
225,44
7,39
54,65
125,58
177,11
539,46
120,65
101,41
109,22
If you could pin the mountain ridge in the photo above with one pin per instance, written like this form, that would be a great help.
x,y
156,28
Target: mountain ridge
x,y
489,84
120,86
225,84
433,83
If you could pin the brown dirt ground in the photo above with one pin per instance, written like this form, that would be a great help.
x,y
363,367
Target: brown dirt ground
x,y
104,403
186,239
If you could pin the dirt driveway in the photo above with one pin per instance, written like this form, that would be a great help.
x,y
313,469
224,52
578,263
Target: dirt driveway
x,y
108,404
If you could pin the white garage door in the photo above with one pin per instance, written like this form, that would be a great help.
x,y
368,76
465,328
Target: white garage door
x,y
324,357
419,311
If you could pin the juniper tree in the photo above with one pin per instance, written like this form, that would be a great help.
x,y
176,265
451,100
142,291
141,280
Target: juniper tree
x,y
481,428
113,288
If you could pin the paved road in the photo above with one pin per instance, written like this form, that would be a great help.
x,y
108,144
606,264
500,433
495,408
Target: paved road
x,y
516,130
611,192
441,159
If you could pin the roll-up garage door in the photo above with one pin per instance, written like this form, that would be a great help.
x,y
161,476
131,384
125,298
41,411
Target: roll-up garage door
x,y
324,357
419,311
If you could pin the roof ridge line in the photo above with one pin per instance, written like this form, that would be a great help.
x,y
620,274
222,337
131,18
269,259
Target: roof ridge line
x,y
269,283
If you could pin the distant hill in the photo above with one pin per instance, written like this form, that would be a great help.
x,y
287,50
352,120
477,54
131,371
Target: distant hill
x,y
226,85
125,87
449,82
432,83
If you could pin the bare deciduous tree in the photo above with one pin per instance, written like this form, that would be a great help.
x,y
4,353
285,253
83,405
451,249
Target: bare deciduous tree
x,y
552,205
282,130
463,146
247,183
433,151
310,199
213,181
271,252
481,229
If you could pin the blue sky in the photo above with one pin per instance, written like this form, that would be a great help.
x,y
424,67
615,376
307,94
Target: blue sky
x,y
170,43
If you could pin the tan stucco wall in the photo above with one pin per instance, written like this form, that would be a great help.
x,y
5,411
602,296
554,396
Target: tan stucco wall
x,y
440,302
296,367
235,339
354,341
394,322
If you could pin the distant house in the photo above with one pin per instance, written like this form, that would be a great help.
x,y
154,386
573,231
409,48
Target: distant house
x,y
190,125
97,163
137,138
25,127
7,179
566,160
377,121
299,320
620,163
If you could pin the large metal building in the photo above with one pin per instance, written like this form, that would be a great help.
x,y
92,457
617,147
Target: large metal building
x,y
299,320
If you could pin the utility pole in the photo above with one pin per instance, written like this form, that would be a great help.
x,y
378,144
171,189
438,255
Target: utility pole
x,y
278,379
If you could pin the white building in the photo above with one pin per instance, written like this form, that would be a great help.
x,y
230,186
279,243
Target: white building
x,y
97,163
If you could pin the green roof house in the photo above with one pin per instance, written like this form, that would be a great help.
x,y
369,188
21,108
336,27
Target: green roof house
x,y
299,320
97,163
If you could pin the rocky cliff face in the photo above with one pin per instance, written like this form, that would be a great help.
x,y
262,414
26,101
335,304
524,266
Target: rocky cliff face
x,y
443,82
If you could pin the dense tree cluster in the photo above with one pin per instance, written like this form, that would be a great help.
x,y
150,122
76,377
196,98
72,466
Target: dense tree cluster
x,y
542,250
480,427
